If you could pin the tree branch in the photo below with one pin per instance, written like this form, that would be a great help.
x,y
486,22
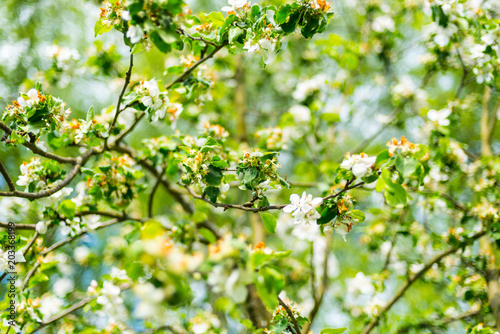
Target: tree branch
x,y
290,314
318,297
7,178
120,98
195,65
57,185
409,282
35,149
244,207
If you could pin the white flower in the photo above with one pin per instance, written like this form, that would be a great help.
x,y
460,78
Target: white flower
x,y
440,117
135,34
92,221
303,208
234,4
81,254
82,130
152,87
488,39
301,114
359,169
174,110
360,284
41,227
383,23
63,286
110,294
360,164
308,87
119,274
50,305
126,15
251,47
32,98
224,187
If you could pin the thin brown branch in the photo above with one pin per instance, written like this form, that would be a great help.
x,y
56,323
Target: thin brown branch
x,y
409,282
7,178
290,315
201,39
57,185
35,149
320,294
19,226
32,241
437,324
195,65
120,97
70,310
130,128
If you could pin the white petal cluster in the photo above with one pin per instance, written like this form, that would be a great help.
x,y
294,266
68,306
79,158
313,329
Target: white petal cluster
x,y
359,164
157,102
29,173
440,117
31,100
303,209
234,5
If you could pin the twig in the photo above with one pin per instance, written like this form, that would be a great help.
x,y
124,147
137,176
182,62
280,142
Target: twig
x,y
243,207
201,39
195,65
409,282
130,128
7,178
32,241
35,149
120,98
320,294
290,314
19,226
437,324
56,186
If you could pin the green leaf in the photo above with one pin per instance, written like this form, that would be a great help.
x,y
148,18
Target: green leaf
x,y
235,33
269,222
38,278
289,26
212,193
249,175
207,234
90,114
159,42
214,176
216,18
282,14
396,196
210,145
357,214
333,330
406,166
101,28
67,208
269,283
327,215
382,157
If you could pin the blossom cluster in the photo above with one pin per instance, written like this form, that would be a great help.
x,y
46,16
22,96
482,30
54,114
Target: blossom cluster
x,y
359,164
156,102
